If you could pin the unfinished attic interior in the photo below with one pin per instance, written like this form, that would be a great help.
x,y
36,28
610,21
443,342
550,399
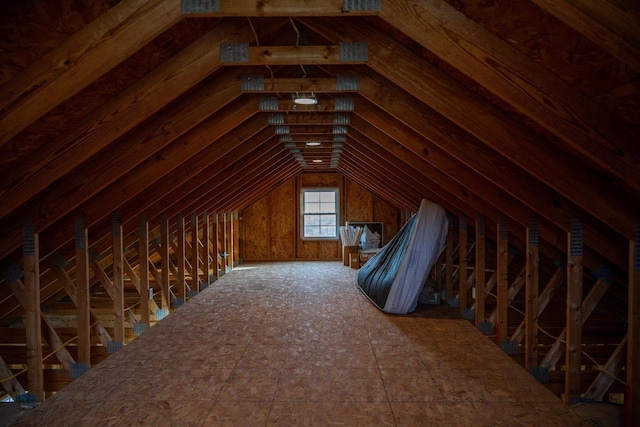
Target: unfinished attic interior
x,y
154,162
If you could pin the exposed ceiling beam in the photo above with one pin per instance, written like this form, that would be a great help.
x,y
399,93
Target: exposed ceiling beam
x,y
111,120
89,53
118,159
198,189
610,24
583,124
374,184
481,119
139,185
487,174
442,141
457,181
277,8
291,85
289,55
261,181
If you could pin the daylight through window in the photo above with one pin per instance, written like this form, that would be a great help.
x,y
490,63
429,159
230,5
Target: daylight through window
x,y
320,214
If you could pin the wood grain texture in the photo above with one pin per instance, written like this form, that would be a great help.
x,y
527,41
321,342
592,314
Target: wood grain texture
x,y
73,65
532,310
35,383
606,23
252,8
479,273
502,284
111,120
633,342
484,121
83,299
580,122
467,162
575,319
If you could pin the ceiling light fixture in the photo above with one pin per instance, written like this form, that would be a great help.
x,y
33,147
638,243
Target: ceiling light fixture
x,y
313,143
304,98
317,161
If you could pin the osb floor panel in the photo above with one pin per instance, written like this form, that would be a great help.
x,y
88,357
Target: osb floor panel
x,y
297,344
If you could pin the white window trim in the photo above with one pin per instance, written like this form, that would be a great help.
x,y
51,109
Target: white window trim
x,y
335,190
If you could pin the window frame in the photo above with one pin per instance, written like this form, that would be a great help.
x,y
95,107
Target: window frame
x,y
303,192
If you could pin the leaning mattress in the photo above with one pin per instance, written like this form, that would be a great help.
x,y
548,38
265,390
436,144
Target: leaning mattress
x,y
395,276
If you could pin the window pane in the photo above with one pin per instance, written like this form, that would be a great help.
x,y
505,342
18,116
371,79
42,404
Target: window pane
x,y
311,220
328,220
312,208
311,196
312,231
327,207
328,231
328,196
320,217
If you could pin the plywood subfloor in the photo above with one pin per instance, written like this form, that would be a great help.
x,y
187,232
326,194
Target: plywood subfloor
x,y
297,344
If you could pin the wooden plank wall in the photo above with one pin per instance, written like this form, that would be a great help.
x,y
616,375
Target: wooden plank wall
x,y
271,225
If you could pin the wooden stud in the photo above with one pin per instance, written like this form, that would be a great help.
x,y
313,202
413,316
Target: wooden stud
x,y
462,263
143,255
206,239
502,273
632,400
589,304
181,258
449,264
164,262
118,279
225,247
50,334
236,238
574,315
215,250
481,292
82,293
531,299
513,290
230,244
32,312
195,246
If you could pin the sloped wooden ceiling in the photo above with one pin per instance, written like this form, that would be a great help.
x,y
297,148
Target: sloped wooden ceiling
x,y
519,108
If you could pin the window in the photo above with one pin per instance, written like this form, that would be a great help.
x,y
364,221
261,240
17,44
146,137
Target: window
x,y
320,213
